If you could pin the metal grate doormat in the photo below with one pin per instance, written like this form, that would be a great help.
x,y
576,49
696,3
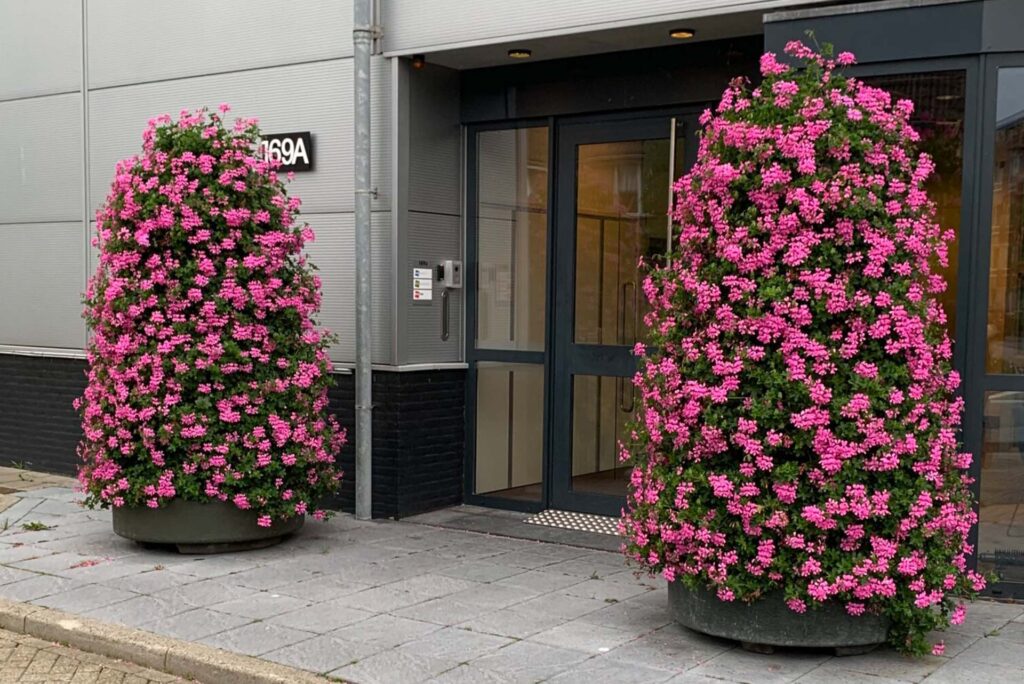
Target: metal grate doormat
x,y
569,520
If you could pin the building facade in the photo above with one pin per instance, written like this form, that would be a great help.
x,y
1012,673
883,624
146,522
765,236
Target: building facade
x,y
531,142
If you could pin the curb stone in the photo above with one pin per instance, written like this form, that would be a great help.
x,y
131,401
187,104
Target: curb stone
x,y
173,656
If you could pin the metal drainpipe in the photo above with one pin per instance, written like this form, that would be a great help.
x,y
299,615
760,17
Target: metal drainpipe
x,y
362,41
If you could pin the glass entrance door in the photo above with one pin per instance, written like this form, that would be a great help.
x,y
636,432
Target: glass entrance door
x,y
613,182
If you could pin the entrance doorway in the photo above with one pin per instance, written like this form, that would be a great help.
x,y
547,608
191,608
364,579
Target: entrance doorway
x,y
561,215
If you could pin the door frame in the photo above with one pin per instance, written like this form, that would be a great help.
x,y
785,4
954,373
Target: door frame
x,y
570,358
546,357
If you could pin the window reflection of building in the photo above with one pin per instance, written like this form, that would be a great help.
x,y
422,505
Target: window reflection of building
x,y
939,119
1001,525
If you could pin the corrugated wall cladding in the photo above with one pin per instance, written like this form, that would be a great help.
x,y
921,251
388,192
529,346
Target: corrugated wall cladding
x,y
135,42
41,159
333,253
42,277
40,47
39,427
433,237
313,97
418,26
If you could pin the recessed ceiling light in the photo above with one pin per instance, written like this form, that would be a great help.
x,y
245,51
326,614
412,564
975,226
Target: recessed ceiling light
x,y
682,33
520,53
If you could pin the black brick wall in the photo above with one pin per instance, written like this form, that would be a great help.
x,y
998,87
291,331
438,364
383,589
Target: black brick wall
x,y
38,425
418,429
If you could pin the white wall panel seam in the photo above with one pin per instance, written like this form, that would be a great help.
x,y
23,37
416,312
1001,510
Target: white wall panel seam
x,y
39,95
227,72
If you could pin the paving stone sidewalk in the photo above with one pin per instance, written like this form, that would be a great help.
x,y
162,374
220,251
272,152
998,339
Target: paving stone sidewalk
x,y
396,602
27,659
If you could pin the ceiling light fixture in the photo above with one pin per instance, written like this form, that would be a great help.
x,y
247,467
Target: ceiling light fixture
x,y
520,53
682,33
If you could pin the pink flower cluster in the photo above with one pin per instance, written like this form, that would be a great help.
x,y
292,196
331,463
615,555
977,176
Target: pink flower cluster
x,y
798,421
208,377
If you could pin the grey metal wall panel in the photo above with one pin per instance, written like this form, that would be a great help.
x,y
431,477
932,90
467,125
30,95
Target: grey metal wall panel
x,y
417,26
315,97
431,237
40,47
435,141
42,275
41,159
136,42
333,252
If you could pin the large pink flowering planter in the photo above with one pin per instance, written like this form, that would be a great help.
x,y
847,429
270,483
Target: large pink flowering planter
x,y
194,527
205,417
795,454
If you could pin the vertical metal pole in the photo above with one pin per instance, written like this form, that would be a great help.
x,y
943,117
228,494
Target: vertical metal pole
x,y
362,41
86,202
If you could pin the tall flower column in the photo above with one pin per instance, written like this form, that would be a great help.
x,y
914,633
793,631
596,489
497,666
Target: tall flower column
x,y
208,377
799,411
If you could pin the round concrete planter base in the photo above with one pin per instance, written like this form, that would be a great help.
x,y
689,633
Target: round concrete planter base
x,y
762,626
194,527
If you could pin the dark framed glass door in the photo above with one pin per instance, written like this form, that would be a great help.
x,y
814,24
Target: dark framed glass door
x,y
613,182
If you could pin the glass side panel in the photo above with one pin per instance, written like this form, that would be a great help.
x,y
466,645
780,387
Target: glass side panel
x,y
938,117
621,215
512,224
1005,351
509,429
601,408
1001,525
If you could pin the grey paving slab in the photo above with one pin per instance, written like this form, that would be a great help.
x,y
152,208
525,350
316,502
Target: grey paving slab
x,y
525,661
481,571
562,605
738,665
382,599
8,575
385,631
581,636
452,643
261,605
968,672
322,653
995,650
671,648
392,666
321,618
443,611
136,611
214,566
468,674
36,587
541,581
150,581
494,595
604,671
256,638
511,622
194,624
433,585
603,590
887,663
82,599
322,588
270,576
203,593
635,615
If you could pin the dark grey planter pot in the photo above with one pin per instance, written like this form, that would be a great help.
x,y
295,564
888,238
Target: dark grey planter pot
x,y
194,527
762,625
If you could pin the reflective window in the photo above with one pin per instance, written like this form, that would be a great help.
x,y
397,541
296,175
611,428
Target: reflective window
x,y
1001,525
1005,333
602,406
509,429
939,118
512,224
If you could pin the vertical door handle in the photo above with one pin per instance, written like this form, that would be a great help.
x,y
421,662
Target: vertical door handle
x,y
624,300
444,314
